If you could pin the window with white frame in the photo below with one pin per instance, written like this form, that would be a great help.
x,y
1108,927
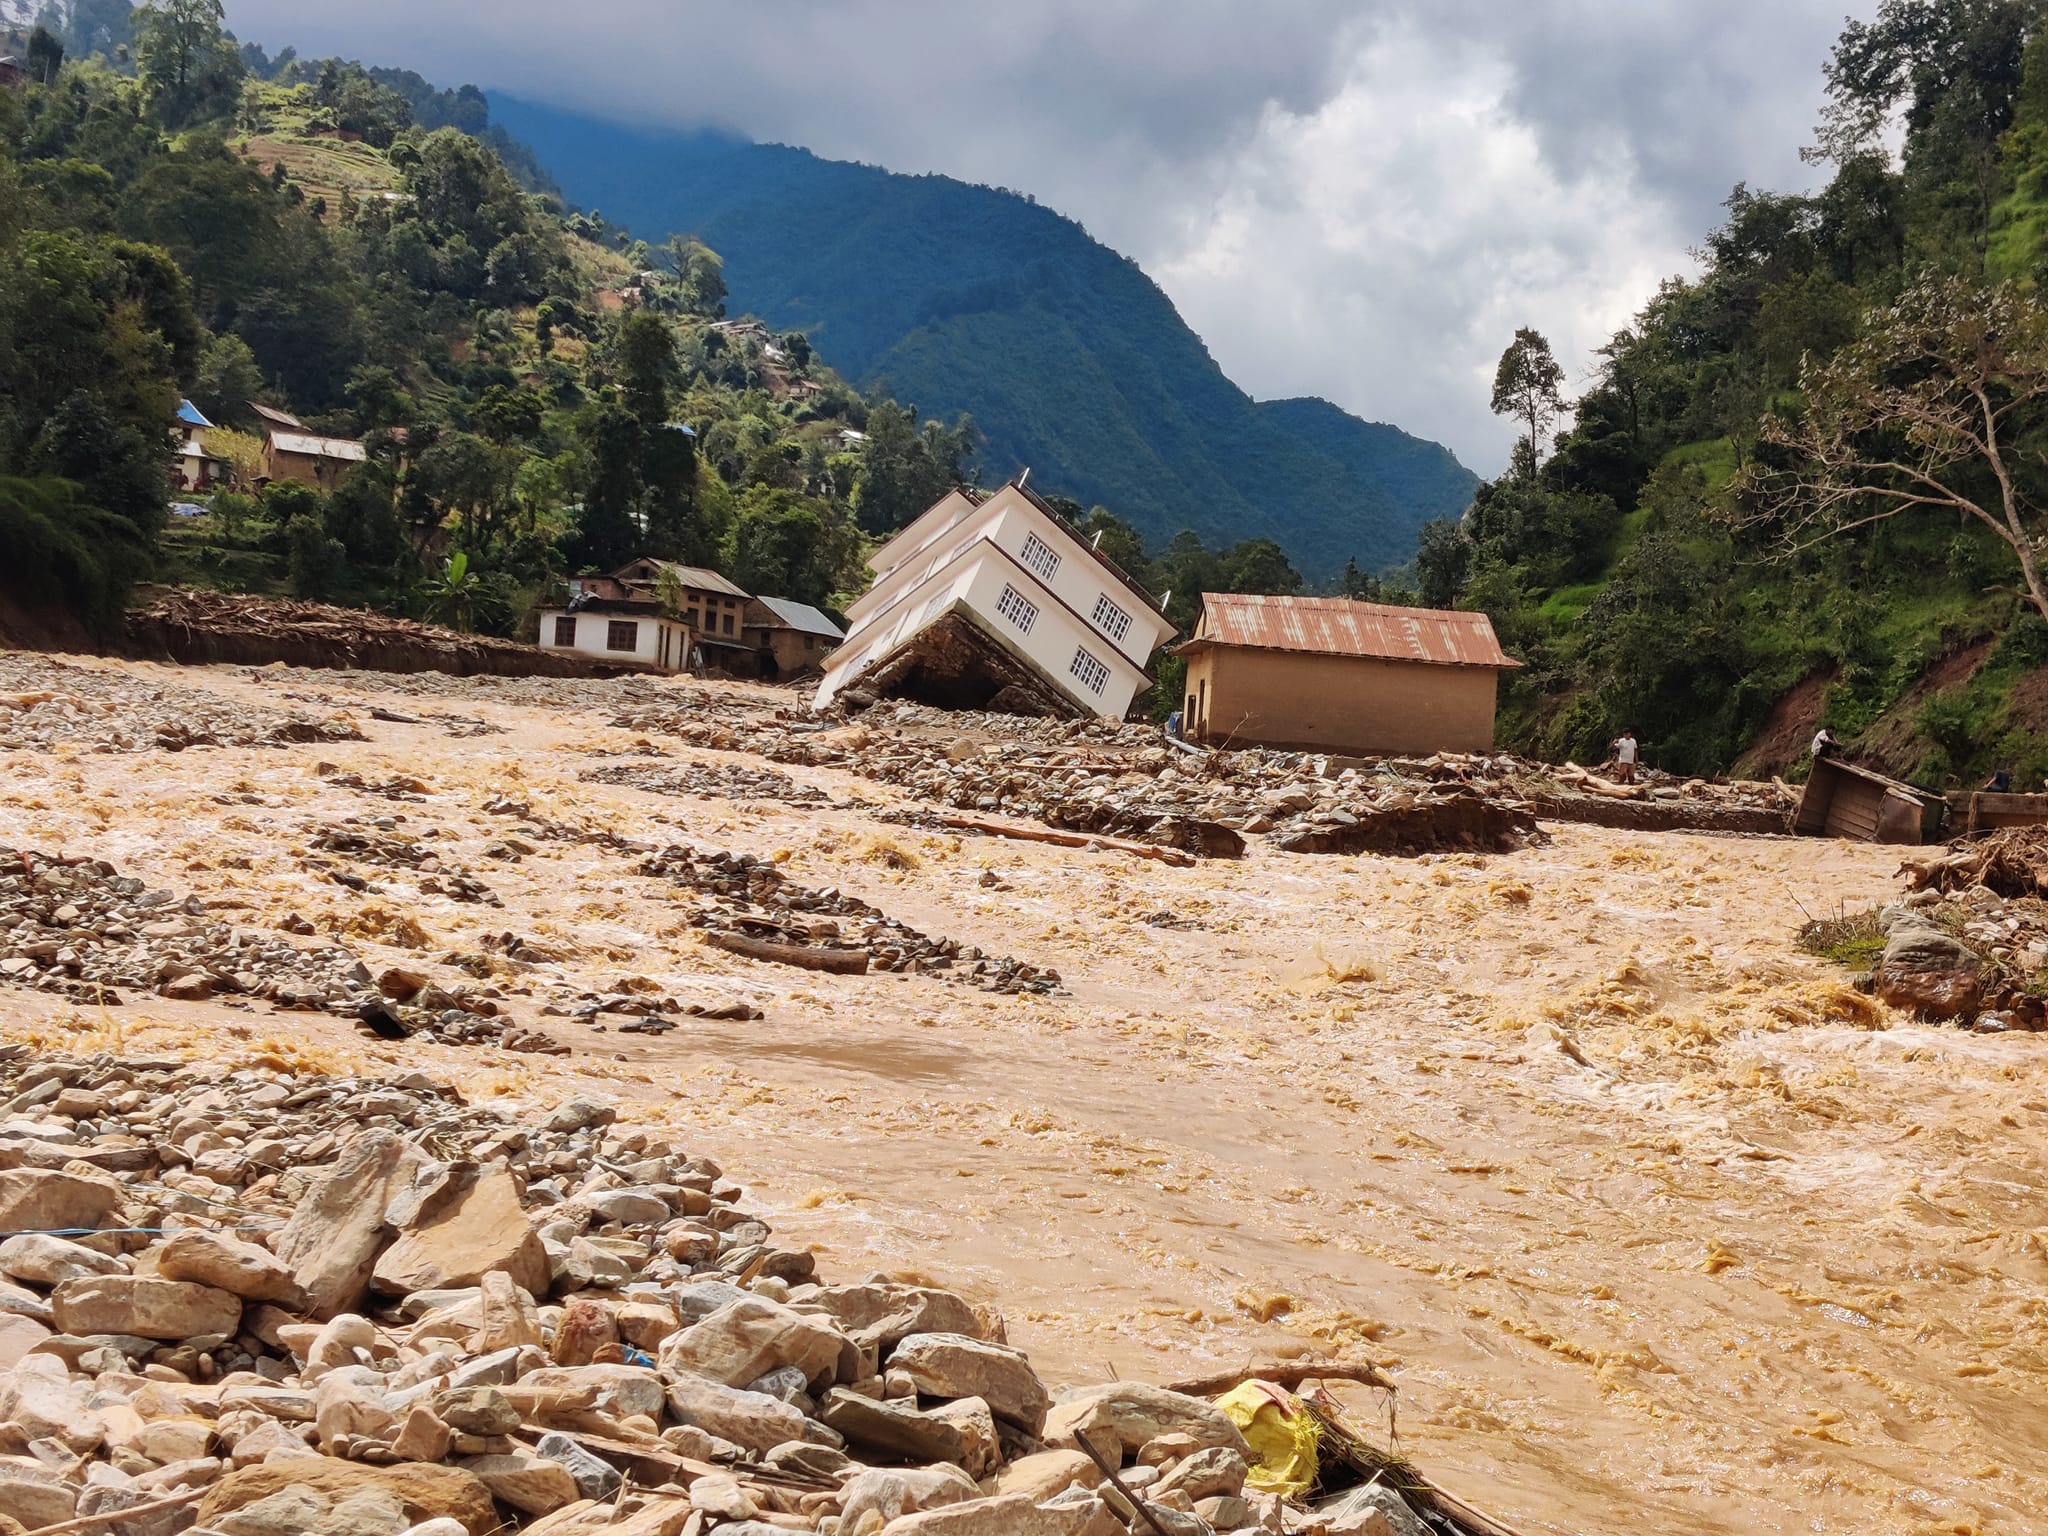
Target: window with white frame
x,y
1018,609
938,601
1110,619
1089,668
1040,557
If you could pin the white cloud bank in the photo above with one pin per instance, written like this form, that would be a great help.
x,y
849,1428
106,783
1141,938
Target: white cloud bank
x,y
1358,200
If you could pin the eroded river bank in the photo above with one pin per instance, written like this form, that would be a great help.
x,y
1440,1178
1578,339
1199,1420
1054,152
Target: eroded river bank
x,y
1655,1220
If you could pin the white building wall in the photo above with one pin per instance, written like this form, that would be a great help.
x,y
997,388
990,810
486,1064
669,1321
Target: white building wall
x,y
594,629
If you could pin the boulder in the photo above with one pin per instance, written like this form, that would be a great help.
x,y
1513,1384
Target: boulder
x,y
337,1230
49,1200
894,1492
1374,1510
952,1365
145,1306
423,1492
747,1339
35,1495
1927,972
595,1477
751,1420
474,1227
893,1312
40,1259
531,1484
1215,1472
18,1335
1046,1474
891,1431
1009,1515
228,1264
1129,1413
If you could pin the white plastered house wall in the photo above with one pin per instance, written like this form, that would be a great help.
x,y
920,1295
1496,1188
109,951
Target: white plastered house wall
x,y
657,641
1026,580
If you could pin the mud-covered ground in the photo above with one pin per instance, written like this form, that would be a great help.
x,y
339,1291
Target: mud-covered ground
x,y
1659,1225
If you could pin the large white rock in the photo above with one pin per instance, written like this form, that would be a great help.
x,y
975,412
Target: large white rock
x,y
746,1339
952,1365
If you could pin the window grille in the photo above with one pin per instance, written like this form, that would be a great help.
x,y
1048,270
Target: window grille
x,y
622,635
1110,619
1018,609
1094,675
1040,557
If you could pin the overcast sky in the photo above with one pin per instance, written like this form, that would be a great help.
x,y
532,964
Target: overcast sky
x,y
1354,198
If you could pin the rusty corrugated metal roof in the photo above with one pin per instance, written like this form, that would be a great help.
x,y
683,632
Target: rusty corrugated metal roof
x,y
1337,626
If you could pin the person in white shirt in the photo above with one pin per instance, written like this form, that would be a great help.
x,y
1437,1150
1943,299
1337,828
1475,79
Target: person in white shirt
x,y
1625,756
1824,743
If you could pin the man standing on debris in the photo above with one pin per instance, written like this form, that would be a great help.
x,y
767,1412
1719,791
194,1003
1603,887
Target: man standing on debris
x,y
1624,750
1824,744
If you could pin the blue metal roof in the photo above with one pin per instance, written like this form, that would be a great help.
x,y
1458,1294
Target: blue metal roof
x,y
189,414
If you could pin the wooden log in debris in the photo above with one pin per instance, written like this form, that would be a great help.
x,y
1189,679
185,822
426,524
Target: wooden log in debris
x,y
811,957
1023,834
1289,1374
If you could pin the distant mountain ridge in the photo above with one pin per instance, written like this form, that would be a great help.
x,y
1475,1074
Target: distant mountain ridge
x,y
964,298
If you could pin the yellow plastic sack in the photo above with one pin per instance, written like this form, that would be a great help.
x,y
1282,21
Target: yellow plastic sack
x,y
1282,1437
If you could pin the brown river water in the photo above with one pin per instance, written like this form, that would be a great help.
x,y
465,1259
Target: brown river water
x,y
1658,1225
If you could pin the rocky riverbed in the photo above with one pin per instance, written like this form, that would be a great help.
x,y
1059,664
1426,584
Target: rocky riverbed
x,y
1650,1216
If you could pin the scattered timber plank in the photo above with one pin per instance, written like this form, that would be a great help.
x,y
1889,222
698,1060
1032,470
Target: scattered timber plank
x,y
1288,1374
811,957
1093,840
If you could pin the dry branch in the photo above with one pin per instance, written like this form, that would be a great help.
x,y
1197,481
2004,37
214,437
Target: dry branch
x,y
1020,834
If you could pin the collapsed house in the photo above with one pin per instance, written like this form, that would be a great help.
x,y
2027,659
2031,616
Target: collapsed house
x,y
1863,805
992,600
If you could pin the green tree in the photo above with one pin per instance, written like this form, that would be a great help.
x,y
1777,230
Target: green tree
x,y
45,56
1526,385
188,68
227,378
646,351
1443,560
1935,408
315,560
701,273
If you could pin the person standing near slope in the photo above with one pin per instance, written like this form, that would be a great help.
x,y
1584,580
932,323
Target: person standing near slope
x,y
1625,753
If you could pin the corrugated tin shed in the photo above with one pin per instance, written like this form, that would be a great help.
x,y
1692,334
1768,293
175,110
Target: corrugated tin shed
x,y
345,449
1337,626
801,617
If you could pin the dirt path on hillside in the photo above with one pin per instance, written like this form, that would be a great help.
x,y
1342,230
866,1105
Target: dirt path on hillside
x,y
1657,1223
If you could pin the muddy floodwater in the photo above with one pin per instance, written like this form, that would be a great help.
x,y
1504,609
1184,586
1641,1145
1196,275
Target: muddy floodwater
x,y
1659,1225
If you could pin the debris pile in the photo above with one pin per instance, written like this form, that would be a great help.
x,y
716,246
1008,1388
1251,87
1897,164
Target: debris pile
x,y
269,1304
46,704
710,781
2011,863
751,900
80,928
376,842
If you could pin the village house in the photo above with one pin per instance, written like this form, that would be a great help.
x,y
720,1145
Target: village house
x,y
991,600
656,613
197,468
320,462
791,639
14,75
1327,674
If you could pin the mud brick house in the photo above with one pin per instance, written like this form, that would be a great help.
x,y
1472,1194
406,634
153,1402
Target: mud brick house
x,y
1327,674
790,639
991,600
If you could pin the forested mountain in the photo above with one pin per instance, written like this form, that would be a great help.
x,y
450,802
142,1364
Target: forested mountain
x,y
1068,358
537,395
1805,483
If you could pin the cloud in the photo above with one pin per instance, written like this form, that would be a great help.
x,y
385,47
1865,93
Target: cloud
x,y
1359,200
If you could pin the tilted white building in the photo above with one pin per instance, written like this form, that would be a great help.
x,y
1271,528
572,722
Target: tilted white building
x,y
993,599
